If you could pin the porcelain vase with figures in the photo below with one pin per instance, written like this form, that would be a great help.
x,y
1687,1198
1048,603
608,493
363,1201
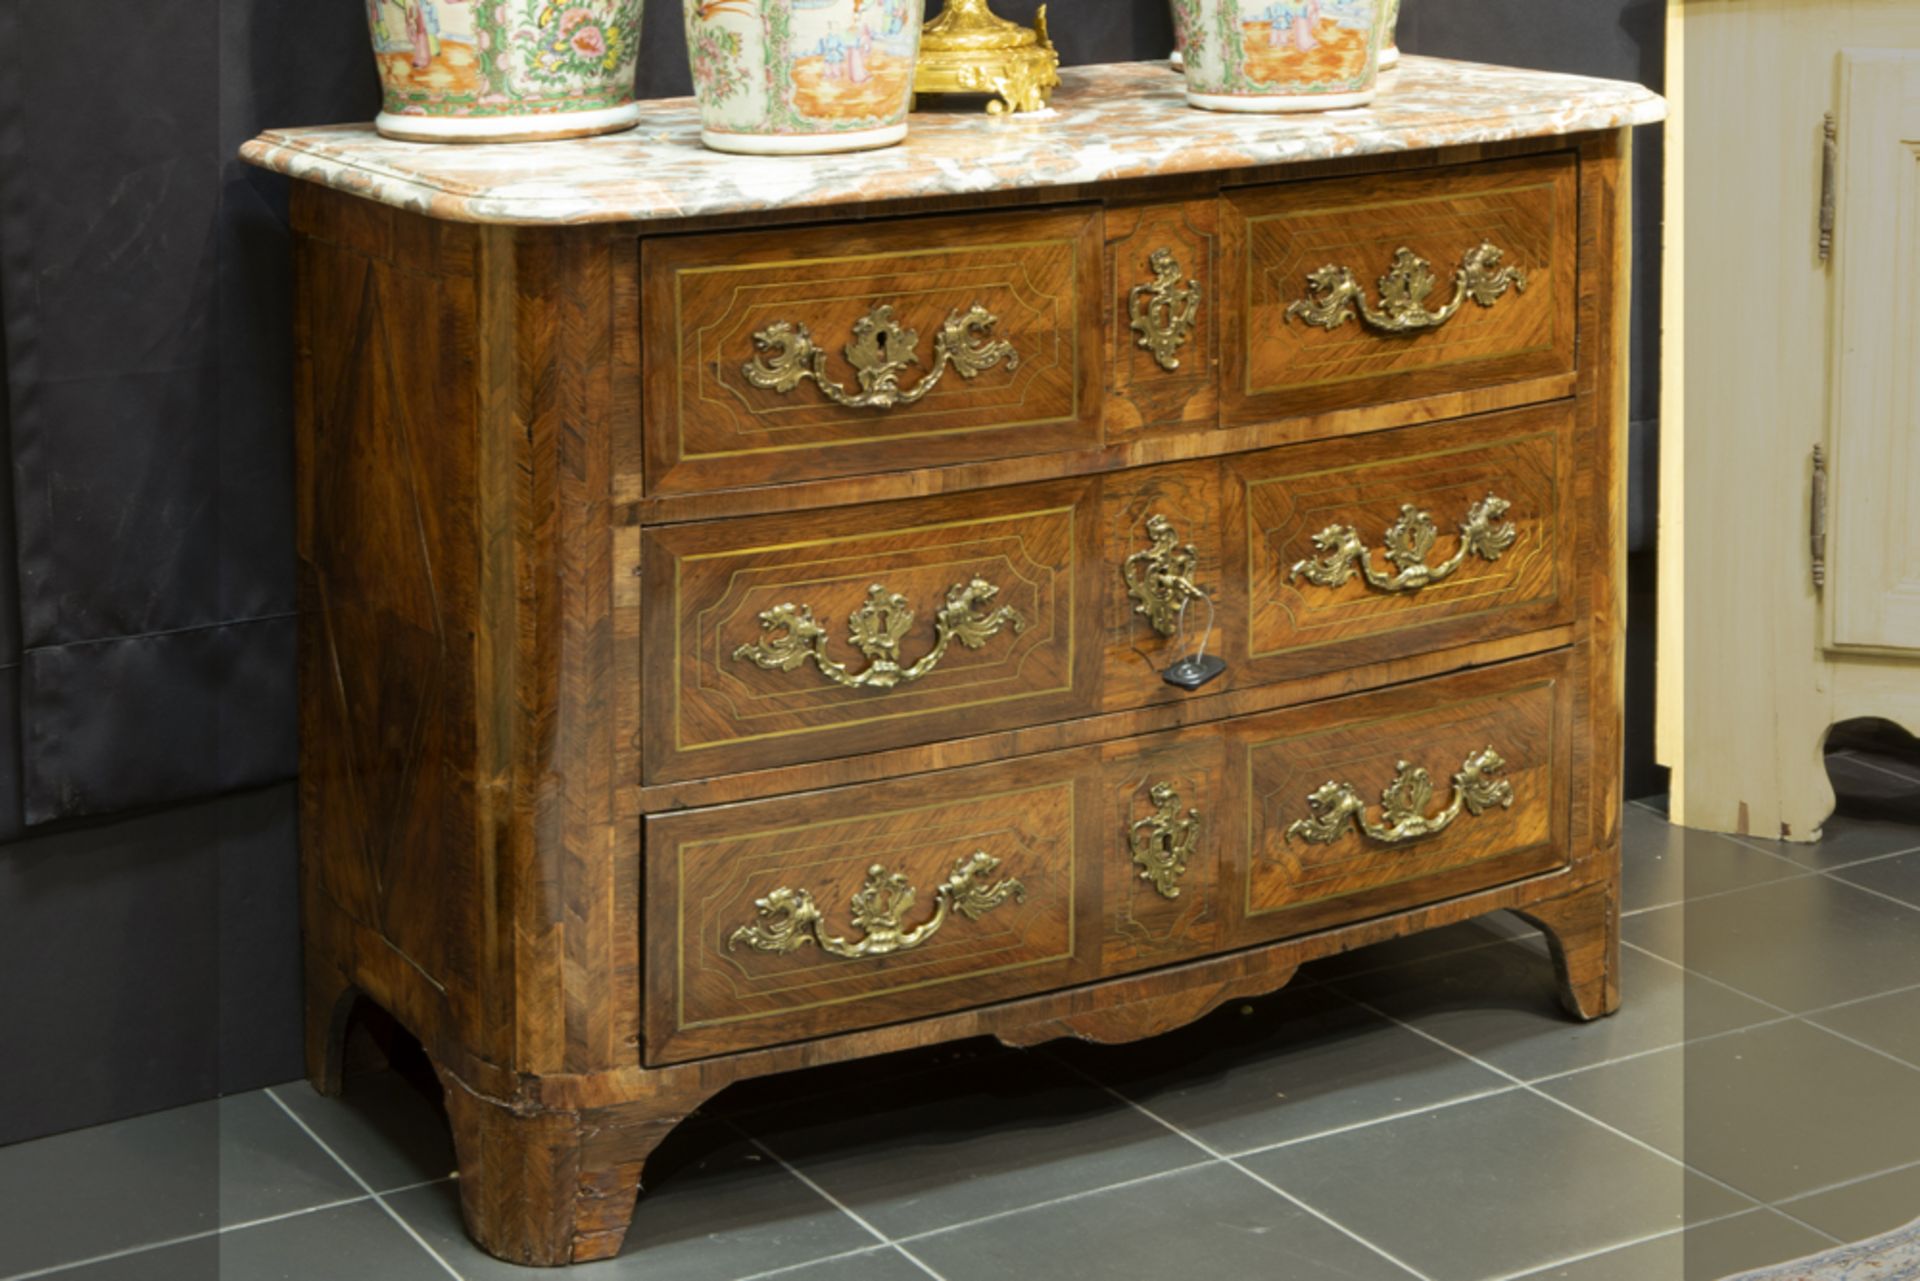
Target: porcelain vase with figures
x,y
799,77
1282,55
504,70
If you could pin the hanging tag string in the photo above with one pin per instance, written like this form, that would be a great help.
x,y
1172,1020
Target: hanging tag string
x,y
1200,651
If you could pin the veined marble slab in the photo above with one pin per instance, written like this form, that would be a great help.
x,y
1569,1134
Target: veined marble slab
x,y
1126,120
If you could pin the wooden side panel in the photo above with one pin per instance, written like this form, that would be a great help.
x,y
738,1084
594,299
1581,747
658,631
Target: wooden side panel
x,y
1022,652
390,581
707,297
1336,504
1523,711
1276,366
1146,393
714,991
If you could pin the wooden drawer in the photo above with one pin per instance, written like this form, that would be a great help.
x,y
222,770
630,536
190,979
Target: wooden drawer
x,y
973,886
1385,801
798,917
1334,509
1360,550
782,639
1063,867
1335,293
729,320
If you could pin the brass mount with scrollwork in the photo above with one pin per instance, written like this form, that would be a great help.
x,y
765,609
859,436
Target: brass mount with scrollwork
x,y
1403,804
790,920
1164,311
1164,840
969,49
1408,542
880,351
1334,295
790,637
1159,577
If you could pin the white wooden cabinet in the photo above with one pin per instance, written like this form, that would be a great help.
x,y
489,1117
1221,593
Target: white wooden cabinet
x,y
1776,624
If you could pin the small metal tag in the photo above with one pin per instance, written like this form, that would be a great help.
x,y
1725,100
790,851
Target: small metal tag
x,y
1192,673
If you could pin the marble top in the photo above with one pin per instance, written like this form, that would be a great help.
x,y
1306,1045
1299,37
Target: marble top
x,y
1127,120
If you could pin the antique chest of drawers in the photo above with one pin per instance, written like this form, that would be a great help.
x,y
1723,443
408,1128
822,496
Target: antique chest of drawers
x,y
1045,580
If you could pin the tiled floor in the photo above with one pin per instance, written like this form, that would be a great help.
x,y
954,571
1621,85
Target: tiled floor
x,y
1416,1110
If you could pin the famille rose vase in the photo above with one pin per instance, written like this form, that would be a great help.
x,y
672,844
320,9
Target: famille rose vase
x,y
796,77
1282,55
505,70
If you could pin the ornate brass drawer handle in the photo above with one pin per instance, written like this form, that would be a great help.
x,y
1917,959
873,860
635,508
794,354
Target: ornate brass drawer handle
x,y
1333,293
881,350
789,919
1164,312
1160,578
1164,840
790,637
1404,802
1484,533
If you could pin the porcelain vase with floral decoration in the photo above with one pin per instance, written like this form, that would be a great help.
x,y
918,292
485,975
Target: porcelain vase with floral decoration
x,y
1390,53
796,77
505,70
1282,55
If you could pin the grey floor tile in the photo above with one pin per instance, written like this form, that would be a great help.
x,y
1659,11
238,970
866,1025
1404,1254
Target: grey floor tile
x,y
1867,1208
1776,1111
154,1178
1664,864
1209,1222
384,1128
1501,1005
1896,877
1890,1023
1492,1187
1300,1063
1798,944
1482,931
1704,1253
946,1146
351,1241
715,1208
882,1264
1848,838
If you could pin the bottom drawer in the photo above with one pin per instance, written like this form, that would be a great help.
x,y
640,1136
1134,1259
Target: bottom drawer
x,y
797,917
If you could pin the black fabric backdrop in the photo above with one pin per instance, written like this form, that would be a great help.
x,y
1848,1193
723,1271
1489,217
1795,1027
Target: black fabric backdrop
x,y
146,577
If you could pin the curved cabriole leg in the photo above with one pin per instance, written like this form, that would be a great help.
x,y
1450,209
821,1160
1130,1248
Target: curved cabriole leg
x,y
548,1188
1581,934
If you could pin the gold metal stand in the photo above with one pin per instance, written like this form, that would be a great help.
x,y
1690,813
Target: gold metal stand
x,y
967,49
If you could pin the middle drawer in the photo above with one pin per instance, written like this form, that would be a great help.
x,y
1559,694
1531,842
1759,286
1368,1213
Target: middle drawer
x,y
778,640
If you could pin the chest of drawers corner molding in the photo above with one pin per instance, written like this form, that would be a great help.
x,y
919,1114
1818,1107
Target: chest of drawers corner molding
x,y
737,645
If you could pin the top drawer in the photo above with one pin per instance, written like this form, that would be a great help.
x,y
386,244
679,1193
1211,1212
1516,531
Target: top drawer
x,y
832,351
1354,292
